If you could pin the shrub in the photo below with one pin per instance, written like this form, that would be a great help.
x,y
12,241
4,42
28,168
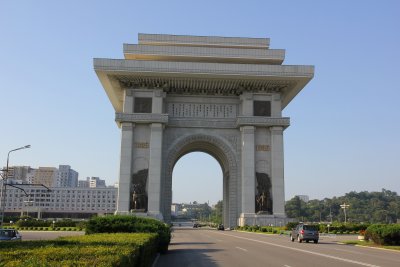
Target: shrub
x,y
131,224
65,223
29,222
384,234
291,225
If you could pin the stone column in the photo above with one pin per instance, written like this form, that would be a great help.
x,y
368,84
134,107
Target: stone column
x,y
248,170
277,173
157,106
128,101
125,170
247,104
154,186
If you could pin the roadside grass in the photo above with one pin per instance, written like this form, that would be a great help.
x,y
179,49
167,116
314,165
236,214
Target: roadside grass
x,y
370,244
119,249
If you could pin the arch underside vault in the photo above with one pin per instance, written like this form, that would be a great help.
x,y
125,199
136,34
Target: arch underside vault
x,y
218,148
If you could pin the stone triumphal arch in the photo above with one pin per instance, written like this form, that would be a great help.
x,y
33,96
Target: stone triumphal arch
x,y
221,95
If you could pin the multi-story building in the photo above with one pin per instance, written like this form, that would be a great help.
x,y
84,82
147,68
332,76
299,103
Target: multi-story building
x,y
66,177
19,173
46,176
176,209
305,198
96,182
61,202
83,183
92,182
30,176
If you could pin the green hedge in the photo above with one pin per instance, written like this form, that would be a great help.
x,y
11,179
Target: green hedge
x,y
30,222
93,250
335,227
257,228
384,234
131,224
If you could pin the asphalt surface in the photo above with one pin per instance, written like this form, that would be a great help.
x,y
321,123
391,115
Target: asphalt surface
x,y
208,247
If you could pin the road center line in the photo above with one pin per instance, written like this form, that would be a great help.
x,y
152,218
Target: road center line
x,y
242,249
304,251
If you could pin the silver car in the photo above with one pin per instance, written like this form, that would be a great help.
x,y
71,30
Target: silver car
x,y
9,234
305,232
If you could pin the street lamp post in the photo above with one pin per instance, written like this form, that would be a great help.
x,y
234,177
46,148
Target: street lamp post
x,y
345,206
4,187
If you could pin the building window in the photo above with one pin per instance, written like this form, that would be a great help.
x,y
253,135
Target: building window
x,y
262,108
142,105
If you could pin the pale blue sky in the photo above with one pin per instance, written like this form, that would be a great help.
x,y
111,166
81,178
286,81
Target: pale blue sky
x,y
344,132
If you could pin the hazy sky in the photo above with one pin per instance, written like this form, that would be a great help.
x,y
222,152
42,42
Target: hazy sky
x,y
345,125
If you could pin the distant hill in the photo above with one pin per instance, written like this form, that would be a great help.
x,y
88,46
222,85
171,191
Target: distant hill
x,y
372,207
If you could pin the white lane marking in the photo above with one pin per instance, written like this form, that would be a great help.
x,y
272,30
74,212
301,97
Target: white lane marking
x,y
242,249
286,266
305,251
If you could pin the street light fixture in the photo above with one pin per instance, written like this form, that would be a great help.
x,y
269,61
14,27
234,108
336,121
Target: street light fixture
x,y
345,206
4,186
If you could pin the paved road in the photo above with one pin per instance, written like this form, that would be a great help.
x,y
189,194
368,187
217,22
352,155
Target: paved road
x,y
47,235
206,247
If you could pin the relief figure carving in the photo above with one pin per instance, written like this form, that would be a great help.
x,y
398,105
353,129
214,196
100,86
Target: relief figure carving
x,y
138,190
263,196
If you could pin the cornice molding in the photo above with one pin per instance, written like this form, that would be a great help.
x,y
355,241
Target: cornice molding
x,y
199,86
141,118
262,121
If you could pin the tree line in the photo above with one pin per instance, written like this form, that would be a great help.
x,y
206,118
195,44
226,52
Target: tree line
x,y
364,207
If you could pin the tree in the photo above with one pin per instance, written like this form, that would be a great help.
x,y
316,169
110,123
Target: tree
x,y
216,213
372,207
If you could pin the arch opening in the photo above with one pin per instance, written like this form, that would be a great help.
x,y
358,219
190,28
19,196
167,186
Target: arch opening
x,y
219,150
197,185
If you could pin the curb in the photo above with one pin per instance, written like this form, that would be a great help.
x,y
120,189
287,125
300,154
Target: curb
x,y
155,260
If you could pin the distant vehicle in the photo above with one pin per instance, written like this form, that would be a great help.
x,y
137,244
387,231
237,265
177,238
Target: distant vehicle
x,y
221,227
9,234
305,232
196,225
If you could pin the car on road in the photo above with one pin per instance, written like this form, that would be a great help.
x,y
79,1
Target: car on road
x,y
221,227
9,234
196,225
305,232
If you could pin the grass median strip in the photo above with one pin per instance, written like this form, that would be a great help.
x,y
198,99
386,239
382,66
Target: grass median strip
x,y
119,249
371,245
